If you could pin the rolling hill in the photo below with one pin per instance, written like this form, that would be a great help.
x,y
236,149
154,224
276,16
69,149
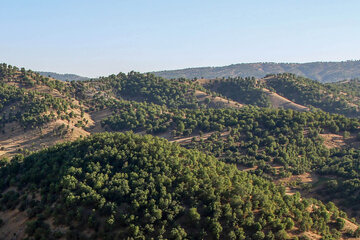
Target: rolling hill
x,y
290,91
63,77
37,111
94,189
320,71
276,135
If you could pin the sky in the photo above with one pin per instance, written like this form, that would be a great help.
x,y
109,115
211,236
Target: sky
x,y
97,38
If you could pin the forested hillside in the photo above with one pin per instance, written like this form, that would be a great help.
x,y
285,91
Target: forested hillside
x,y
236,160
275,144
328,97
245,90
125,186
321,71
290,91
36,111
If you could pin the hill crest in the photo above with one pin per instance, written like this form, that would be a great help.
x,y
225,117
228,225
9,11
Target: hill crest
x,y
320,71
63,76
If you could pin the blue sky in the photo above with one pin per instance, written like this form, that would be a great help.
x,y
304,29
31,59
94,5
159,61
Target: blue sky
x,y
95,38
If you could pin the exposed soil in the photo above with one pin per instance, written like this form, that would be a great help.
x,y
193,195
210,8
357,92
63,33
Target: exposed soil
x,y
216,101
333,140
278,101
14,224
16,139
275,99
303,178
96,117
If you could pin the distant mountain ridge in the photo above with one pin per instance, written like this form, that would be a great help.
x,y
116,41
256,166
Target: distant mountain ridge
x,y
64,77
320,71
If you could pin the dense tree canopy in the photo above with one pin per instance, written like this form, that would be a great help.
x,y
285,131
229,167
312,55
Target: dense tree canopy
x,y
124,185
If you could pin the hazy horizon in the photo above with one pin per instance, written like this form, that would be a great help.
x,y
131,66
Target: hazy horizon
x,y
198,67
91,38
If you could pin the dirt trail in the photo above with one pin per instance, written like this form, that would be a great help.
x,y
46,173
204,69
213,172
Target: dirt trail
x,y
183,140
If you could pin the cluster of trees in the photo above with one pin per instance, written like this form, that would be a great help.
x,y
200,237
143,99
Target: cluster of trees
x,y
128,186
29,78
8,95
131,115
149,88
350,87
345,165
6,70
244,90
